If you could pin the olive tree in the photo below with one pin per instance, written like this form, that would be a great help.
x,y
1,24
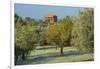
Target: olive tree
x,y
25,38
83,31
59,33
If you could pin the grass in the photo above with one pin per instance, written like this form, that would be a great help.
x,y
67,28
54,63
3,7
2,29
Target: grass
x,y
48,54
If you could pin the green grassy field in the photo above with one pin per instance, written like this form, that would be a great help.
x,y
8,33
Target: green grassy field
x,y
48,54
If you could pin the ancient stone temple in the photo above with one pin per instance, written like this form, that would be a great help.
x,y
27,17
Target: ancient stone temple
x,y
50,18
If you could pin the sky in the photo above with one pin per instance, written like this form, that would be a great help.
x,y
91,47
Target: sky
x,y
38,11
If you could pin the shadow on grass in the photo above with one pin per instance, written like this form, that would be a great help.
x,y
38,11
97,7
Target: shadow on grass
x,y
89,60
39,59
43,48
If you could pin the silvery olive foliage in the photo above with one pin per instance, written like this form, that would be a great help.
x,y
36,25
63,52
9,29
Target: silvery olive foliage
x,y
83,31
